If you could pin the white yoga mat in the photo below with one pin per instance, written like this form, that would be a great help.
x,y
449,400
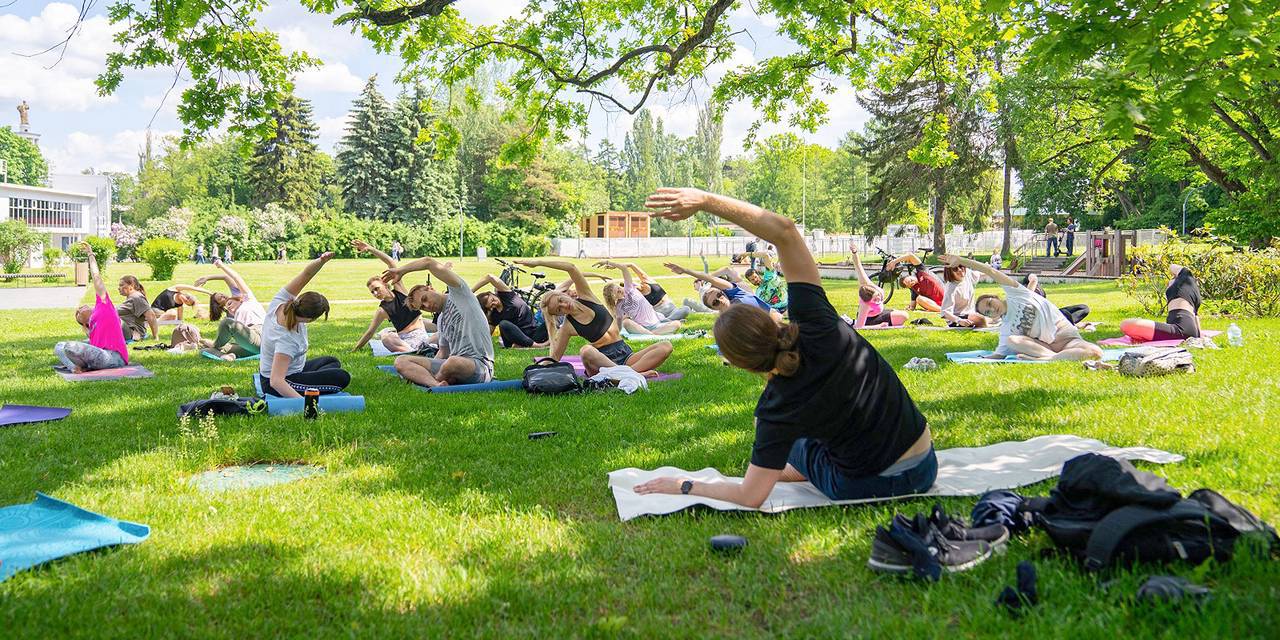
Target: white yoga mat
x,y
380,349
961,472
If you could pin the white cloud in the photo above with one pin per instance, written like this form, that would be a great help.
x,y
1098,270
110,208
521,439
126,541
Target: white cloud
x,y
67,84
334,77
491,11
331,131
117,152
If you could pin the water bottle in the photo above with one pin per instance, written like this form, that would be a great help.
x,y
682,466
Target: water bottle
x,y
311,404
1235,336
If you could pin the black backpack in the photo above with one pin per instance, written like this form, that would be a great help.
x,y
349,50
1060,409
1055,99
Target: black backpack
x,y
546,376
222,407
1107,513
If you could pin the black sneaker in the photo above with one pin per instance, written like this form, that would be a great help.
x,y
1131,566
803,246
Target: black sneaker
x,y
887,555
956,529
901,549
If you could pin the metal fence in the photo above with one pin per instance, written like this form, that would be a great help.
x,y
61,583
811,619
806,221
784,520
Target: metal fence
x,y
984,242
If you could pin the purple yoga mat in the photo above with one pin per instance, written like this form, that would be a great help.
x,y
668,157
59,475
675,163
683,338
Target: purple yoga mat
x,y
1127,341
22,414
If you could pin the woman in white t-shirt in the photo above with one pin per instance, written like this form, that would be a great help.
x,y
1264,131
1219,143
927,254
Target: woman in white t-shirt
x,y
240,331
1032,328
959,297
285,370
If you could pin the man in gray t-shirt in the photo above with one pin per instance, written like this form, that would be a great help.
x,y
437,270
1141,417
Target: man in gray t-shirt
x,y
465,338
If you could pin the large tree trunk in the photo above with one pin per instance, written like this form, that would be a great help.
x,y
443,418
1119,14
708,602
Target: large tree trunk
x,y
939,214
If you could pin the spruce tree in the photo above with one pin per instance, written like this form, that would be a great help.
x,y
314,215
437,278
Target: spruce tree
x,y
422,187
284,168
364,159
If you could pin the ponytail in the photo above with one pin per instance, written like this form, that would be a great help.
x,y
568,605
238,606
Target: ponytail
x,y
291,315
787,359
750,339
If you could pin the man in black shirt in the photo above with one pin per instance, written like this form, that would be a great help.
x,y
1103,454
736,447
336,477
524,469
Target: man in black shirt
x,y
833,412
511,315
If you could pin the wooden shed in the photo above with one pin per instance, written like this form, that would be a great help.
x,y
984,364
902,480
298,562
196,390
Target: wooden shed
x,y
616,224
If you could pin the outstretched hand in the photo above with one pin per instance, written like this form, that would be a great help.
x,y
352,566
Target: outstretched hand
x,y
88,248
676,204
200,282
392,276
659,485
360,245
326,256
853,248
606,264
675,268
949,260
217,262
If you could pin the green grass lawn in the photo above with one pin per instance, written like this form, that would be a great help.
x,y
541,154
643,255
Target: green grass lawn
x,y
439,518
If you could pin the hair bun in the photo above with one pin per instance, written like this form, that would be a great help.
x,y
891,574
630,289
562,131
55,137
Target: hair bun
x,y
787,360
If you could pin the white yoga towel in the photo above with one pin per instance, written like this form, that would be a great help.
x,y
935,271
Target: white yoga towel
x,y
961,472
380,349
628,379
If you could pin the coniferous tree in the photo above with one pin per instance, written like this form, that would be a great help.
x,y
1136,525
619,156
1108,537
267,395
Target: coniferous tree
x,y
422,186
364,162
284,168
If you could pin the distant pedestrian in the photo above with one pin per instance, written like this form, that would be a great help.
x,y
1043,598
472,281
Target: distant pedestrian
x,y
200,254
283,256
1072,228
226,254
1051,240
213,254
396,250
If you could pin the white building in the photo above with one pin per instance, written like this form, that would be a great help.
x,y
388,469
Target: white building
x,y
70,209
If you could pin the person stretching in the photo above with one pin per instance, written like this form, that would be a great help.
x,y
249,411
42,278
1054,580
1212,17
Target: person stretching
x,y
926,288
960,297
285,369
720,293
101,323
630,307
171,302
466,344
833,411
135,311
585,316
871,311
1183,320
767,282
506,310
407,333
1076,313
240,330
1031,327
657,296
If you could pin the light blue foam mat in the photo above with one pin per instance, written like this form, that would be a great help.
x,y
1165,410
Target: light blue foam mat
x,y
493,385
48,529
342,402
252,476
256,356
979,356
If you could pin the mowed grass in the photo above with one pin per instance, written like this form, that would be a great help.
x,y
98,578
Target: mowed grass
x,y
438,517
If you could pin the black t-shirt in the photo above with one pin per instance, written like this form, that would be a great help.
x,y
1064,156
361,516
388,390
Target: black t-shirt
x,y
398,312
656,294
164,301
844,394
514,310
1185,286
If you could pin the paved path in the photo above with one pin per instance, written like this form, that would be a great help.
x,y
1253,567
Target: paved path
x,y
41,298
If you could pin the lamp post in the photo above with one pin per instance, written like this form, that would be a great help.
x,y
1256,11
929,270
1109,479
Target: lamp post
x,y
1184,208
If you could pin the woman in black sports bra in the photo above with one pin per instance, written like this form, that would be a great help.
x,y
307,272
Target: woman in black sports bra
x,y
408,333
586,317
1183,320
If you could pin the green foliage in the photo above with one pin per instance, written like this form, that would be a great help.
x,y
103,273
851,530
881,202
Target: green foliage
x,y
1232,281
364,155
17,241
25,163
284,168
104,249
163,254
213,174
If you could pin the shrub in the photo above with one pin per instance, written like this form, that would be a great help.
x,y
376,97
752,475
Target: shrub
x,y
103,248
163,255
16,243
1232,280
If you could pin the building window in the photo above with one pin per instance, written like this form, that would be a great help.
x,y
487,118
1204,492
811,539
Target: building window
x,y
46,213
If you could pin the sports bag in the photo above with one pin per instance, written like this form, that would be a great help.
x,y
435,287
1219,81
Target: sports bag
x,y
1155,361
547,376
222,407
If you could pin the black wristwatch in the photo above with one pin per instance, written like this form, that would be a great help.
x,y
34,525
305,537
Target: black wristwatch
x,y
686,487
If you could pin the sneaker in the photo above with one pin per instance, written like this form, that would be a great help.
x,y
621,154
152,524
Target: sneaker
x,y
956,529
901,549
887,555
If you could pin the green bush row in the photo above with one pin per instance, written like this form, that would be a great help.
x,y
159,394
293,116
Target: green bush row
x,y
1233,281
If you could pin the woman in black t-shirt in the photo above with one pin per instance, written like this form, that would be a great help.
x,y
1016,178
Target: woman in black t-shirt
x,y
1183,319
833,412
408,333
511,315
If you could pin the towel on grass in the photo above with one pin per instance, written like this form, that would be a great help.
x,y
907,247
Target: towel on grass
x,y
1127,341
256,356
131,371
961,472
979,356
48,529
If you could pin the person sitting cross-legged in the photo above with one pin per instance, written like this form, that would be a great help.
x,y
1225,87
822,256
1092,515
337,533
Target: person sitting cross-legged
x,y
462,329
285,369
871,311
101,323
408,332
629,305
721,293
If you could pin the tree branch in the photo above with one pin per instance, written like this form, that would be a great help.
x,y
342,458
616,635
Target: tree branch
x,y
398,15
1240,131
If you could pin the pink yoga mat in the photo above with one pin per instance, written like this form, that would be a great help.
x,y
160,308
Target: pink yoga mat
x,y
1127,341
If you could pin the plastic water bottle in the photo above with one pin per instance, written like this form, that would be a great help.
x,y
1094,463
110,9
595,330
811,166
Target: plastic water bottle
x,y
1235,336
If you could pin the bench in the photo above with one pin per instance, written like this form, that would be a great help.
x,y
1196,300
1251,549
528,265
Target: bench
x,y
23,277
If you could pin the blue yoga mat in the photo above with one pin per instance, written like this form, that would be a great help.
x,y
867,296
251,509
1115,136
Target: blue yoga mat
x,y
213,357
23,414
330,402
494,385
48,529
979,356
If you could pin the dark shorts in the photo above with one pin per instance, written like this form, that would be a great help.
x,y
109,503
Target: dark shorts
x,y
1180,324
618,352
811,458
884,317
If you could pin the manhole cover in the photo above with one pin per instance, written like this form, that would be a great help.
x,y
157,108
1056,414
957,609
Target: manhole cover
x,y
251,476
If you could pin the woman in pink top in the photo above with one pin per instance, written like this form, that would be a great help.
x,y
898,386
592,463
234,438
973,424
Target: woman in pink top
x,y
630,307
106,348
871,311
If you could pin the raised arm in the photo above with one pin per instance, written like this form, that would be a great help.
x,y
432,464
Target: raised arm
x,y
627,280
490,279
362,246
857,266
233,278
299,282
910,258
99,289
575,274
438,269
193,289
996,276
797,262
644,277
717,282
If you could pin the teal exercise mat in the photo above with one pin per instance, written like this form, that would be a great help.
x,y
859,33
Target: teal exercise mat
x,y
131,371
493,385
48,529
210,356
252,476
979,356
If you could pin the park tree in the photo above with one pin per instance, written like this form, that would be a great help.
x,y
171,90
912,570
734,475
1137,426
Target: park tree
x,y
609,160
283,168
364,158
212,174
24,162
422,184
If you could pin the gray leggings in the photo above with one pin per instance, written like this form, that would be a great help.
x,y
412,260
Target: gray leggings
x,y
82,356
669,312
247,340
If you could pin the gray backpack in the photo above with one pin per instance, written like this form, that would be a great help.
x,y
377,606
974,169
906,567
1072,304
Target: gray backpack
x,y
1156,361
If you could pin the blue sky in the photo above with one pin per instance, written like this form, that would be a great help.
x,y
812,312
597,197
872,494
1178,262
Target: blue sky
x,y
79,129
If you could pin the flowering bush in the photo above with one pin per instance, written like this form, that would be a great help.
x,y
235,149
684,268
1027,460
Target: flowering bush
x,y
127,238
175,225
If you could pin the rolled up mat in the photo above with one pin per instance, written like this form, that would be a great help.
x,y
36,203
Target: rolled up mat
x,y
48,529
330,403
979,356
131,371
210,356
1127,341
492,385
22,414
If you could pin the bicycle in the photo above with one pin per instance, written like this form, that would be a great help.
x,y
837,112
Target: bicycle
x,y
888,278
510,276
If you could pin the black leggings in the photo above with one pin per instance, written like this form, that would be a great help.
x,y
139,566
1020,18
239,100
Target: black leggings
x,y
1076,313
513,336
324,374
